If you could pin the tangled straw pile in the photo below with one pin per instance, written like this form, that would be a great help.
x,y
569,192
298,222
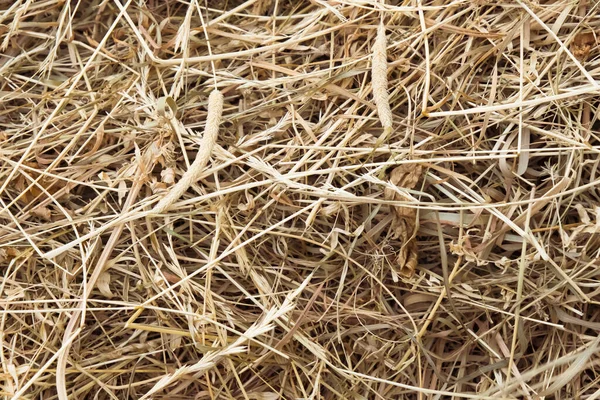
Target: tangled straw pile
x,y
401,202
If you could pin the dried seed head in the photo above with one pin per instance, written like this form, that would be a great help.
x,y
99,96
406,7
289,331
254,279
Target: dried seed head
x,y
213,120
379,80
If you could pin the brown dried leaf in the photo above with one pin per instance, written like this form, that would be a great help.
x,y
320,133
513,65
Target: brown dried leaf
x,y
170,277
582,44
42,212
32,191
405,223
406,175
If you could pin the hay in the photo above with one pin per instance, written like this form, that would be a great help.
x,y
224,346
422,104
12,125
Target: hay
x,y
399,199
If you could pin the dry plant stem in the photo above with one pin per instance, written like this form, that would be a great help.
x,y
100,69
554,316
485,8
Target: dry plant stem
x,y
59,354
571,93
61,104
427,82
213,120
258,328
215,57
89,285
517,324
561,44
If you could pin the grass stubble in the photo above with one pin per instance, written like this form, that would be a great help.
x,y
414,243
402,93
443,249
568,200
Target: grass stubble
x,y
270,199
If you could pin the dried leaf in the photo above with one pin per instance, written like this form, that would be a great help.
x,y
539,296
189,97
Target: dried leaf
x,y
170,277
582,45
263,396
175,341
103,284
167,175
404,224
24,185
103,176
42,212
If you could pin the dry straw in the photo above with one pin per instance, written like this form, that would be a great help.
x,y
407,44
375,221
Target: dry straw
x,y
285,253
